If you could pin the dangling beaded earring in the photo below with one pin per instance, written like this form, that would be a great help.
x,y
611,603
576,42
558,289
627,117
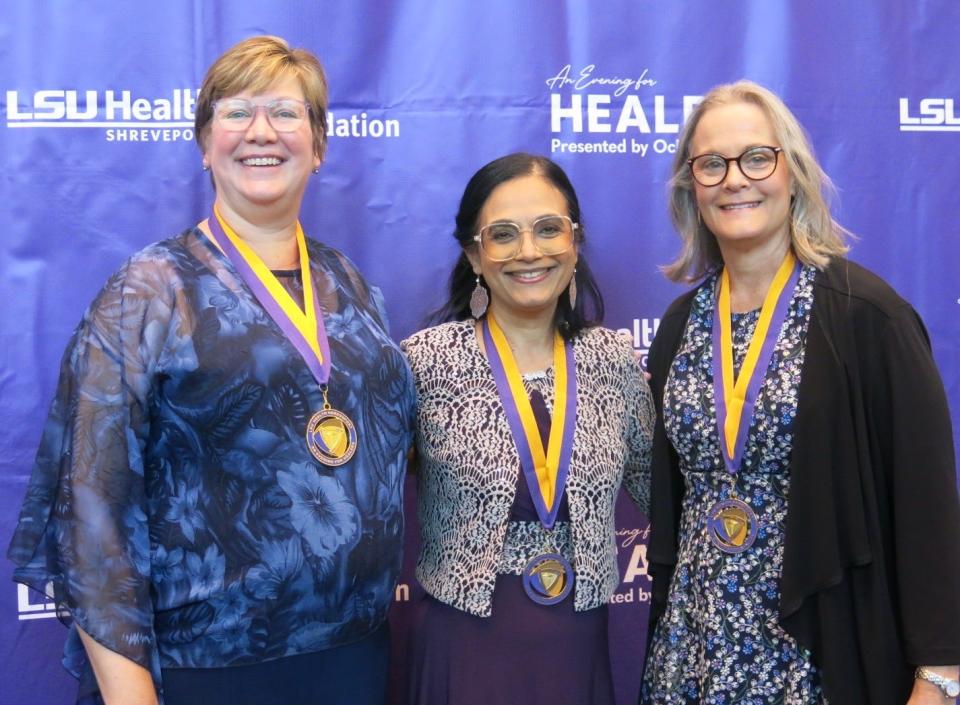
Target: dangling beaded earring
x,y
479,300
572,290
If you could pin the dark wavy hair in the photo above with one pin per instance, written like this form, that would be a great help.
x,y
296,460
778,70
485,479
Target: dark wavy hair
x,y
570,321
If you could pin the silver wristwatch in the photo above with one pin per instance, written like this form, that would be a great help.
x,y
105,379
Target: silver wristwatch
x,y
950,687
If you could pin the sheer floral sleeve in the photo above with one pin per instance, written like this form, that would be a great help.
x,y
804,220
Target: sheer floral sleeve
x,y
83,527
175,505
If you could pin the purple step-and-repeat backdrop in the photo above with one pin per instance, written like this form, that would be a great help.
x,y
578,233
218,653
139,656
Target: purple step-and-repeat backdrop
x,y
97,143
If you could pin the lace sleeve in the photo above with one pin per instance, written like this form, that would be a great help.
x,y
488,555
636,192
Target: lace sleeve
x,y
641,417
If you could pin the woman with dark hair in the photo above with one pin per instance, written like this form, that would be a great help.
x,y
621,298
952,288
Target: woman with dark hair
x,y
529,417
805,543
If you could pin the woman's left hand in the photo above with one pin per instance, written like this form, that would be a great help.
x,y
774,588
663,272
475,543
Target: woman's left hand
x,y
925,693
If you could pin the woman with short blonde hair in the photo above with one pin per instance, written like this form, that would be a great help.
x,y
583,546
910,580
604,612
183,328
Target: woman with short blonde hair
x,y
217,495
254,65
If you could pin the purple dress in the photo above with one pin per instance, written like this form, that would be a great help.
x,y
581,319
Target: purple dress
x,y
523,653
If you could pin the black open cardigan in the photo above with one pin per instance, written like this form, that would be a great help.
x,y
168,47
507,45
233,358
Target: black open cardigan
x,y
871,565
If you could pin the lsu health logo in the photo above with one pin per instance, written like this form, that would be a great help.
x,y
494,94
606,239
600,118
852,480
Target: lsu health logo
x,y
631,109
32,605
122,116
125,117
929,115
641,335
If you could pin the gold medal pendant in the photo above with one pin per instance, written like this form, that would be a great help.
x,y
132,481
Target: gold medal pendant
x,y
331,435
732,525
548,579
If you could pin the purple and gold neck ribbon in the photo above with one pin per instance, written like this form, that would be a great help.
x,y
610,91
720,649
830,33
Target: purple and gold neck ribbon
x,y
735,398
302,327
545,470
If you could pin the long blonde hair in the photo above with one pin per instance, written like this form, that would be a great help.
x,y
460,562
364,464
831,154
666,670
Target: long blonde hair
x,y
814,234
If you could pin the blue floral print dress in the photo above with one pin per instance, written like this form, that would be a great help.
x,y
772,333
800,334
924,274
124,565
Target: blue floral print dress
x,y
174,508
719,641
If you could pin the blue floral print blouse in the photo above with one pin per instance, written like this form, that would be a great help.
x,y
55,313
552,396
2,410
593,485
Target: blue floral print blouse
x,y
174,505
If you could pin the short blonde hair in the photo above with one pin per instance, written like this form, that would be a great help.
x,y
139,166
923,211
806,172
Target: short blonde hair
x,y
814,235
254,65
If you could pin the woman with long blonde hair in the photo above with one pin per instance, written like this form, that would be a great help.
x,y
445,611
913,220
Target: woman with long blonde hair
x,y
804,513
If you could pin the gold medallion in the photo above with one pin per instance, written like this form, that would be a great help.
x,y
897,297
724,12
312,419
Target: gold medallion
x,y
331,437
732,525
548,579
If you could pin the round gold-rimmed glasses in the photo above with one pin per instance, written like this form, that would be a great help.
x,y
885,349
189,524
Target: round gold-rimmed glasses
x,y
502,240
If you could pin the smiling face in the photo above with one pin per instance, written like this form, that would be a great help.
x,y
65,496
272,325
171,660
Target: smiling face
x,y
530,284
741,213
261,173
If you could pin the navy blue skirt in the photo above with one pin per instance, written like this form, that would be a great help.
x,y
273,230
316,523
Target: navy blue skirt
x,y
354,674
